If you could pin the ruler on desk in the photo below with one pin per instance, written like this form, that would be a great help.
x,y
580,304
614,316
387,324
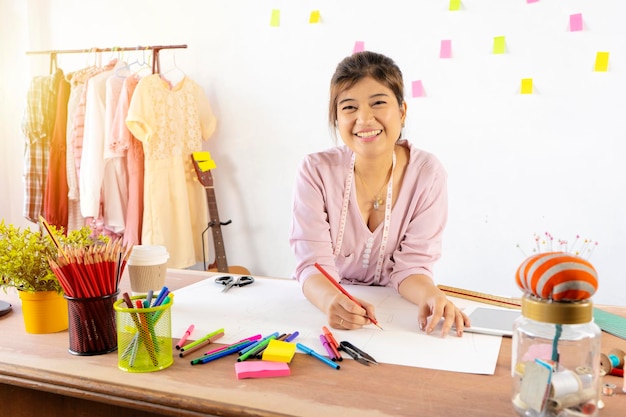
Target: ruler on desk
x,y
481,297
608,322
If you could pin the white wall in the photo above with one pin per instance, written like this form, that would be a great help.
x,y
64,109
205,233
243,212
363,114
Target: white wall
x,y
518,165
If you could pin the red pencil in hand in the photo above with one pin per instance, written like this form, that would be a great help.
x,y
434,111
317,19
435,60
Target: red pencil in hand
x,y
343,291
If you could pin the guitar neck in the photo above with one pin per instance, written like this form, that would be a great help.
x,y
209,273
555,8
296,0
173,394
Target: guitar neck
x,y
216,228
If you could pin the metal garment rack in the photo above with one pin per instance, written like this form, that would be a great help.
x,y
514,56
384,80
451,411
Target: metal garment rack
x,y
156,68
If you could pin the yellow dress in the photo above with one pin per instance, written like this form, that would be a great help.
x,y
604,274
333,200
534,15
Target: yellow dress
x,y
171,124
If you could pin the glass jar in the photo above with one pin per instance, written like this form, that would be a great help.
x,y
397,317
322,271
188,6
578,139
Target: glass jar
x,y
555,361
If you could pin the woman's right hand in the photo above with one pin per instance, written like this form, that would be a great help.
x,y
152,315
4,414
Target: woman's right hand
x,y
345,314
342,312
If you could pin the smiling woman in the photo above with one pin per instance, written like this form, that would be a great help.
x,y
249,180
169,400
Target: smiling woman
x,y
391,237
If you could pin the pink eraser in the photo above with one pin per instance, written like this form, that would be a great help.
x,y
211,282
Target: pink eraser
x,y
261,369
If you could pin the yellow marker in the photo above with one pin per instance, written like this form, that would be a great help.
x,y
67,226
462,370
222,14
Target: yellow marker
x,y
315,16
275,20
455,5
602,62
499,45
527,85
205,163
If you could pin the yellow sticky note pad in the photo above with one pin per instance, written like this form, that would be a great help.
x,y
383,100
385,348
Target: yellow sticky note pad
x,y
455,5
205,163
602,62
499,45
275,19
527,86
279,351
315,16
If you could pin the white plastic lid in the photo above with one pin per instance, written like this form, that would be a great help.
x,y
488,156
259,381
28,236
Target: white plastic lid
x,y
148,255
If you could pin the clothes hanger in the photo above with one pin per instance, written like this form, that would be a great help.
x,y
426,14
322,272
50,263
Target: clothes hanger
x,y
53,63
144,67
175,74
124,71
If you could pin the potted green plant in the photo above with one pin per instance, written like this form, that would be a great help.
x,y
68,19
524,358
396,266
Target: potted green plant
x,y
24,255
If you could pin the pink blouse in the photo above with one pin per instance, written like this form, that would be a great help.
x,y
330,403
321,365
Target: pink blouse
x,y
416,226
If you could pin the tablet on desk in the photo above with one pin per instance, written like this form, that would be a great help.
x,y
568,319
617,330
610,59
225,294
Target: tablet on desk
x,y
493,321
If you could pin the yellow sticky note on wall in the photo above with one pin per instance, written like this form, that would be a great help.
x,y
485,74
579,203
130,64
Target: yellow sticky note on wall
x,y
315,16
602,62
455,5
275,19
499,45
527,86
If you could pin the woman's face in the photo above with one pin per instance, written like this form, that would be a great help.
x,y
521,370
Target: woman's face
x,y
369,118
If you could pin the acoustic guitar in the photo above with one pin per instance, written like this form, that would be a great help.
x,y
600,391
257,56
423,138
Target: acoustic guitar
x,y
206,179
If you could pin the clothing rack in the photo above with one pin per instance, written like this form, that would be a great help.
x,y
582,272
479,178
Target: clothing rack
x,y
156,67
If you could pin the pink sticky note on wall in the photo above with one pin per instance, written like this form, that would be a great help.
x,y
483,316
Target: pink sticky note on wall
x,y
445,51
531,1
576,22
359,46
417,88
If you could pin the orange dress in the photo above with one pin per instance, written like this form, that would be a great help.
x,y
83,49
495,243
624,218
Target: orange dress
x,y
55,203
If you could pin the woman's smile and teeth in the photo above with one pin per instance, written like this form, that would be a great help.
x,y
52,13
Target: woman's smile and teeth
x,y
368,136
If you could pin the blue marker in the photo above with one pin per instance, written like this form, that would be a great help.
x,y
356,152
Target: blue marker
x,y
154,317
161,297
316,355
220,354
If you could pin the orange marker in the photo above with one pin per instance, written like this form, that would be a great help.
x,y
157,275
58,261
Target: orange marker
x,y
332,342
343,291
146,335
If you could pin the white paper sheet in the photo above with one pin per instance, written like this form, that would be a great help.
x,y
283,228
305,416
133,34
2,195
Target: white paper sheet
x,y
277,305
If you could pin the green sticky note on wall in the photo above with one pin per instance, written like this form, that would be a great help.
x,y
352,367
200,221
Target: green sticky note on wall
x,y
455,5
275,19
499,45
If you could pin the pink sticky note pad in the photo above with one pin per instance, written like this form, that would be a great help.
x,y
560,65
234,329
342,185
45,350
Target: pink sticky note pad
x,y
576,22
359,46
261,369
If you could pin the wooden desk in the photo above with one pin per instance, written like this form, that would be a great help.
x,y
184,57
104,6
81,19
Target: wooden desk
x,y
39,377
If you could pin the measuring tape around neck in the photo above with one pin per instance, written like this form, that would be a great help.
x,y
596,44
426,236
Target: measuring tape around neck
x,y
387,219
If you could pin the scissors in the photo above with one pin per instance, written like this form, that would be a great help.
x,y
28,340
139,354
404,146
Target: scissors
x,y
356,353
230,282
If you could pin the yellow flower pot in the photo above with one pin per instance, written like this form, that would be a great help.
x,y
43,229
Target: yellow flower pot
x,y
44,311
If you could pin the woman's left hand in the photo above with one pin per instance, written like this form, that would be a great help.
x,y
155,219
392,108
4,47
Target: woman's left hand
x,y
438,307
433,303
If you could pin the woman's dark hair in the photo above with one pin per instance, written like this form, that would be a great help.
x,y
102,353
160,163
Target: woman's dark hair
x,y
357,66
